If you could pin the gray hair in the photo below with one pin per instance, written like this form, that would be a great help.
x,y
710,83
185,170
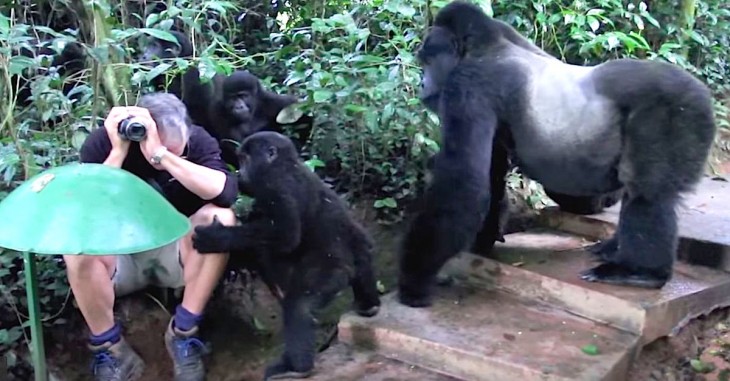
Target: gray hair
x,y
170,115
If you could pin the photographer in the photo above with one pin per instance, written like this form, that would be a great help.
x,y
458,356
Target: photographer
x,y
156,142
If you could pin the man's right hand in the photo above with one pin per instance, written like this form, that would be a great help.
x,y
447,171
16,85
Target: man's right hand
x,y
120,147
116,115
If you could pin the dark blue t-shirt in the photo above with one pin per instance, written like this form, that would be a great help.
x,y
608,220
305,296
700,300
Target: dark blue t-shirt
x,y
202,149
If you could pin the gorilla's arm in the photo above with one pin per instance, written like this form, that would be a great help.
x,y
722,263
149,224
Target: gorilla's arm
x,y
277,228
459,196
272,103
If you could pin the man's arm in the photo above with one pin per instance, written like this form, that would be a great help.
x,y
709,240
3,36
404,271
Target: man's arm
x,y
104,145
208,178
98,149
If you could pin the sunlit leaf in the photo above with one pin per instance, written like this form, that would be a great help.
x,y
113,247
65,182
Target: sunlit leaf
x,y
18,64
159,34
321,96
159,69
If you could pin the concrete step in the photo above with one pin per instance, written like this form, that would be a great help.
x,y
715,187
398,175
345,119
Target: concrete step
x,y
544,265
704,224
524,314
342,362
481,335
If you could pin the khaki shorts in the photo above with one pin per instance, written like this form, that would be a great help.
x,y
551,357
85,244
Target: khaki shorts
x,y
160,267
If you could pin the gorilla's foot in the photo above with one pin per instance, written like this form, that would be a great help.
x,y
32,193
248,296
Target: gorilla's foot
x,y
612,273
444,280
605,249
281,369
367,311
415,299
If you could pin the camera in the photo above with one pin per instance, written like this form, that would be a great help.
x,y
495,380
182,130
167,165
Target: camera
x,y
130,129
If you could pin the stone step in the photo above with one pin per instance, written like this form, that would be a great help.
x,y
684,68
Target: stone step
x,y
342,362
544,265
704,224
486,335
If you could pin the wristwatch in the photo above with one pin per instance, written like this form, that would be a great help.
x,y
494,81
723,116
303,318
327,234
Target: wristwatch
x,y
157,156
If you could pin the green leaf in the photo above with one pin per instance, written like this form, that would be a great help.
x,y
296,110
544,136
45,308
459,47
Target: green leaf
x,y
290,114
593,23
701,367
387,202
314,163
322,96
159,34
406,10
355,108
258,325
590,349
4,24
159,69
380,286
18,64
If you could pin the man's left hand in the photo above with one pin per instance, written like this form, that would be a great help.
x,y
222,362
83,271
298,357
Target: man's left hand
x,y
152,142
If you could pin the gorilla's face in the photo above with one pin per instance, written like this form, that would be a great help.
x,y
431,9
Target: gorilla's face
x,y
438,57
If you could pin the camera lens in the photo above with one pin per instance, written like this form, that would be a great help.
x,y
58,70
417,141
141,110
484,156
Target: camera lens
x,y
130,129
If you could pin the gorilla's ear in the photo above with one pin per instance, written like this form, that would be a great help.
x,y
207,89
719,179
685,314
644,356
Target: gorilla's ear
x,y
271,154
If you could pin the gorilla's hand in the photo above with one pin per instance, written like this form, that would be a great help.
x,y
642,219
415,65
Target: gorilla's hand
x,y
213,238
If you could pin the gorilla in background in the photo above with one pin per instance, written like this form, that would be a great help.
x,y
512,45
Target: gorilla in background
x,y
642,126
229,107
69,62
192,91
301,239
246,107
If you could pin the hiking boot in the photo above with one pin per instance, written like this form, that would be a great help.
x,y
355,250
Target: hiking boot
x,y
187,353
116,362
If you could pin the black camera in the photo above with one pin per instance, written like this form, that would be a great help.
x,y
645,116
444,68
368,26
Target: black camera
x,y
130,129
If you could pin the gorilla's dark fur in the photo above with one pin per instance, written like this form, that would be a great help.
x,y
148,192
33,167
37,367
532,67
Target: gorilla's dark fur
x,y
229,107
195,94
244,107
300,238
645,127
68,63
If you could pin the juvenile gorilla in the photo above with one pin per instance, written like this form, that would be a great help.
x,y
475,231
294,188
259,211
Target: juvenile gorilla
x,y
245,107
642,126
303,241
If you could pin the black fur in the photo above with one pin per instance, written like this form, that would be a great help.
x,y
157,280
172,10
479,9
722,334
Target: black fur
x,y
67,64
188,86
302,239
210,104
648,129
245,107
585,204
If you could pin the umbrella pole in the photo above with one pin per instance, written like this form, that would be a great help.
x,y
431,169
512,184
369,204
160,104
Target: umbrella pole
x,y
34,312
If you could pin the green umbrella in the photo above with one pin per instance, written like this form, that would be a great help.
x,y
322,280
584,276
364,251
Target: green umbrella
x,y
83,209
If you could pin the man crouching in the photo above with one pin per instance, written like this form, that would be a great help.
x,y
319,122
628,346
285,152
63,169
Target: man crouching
x,y
157,142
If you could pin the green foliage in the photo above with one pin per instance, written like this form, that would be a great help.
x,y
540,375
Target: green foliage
x,y
358,70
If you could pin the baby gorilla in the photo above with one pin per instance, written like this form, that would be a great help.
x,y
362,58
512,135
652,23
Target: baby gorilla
x,y
302,240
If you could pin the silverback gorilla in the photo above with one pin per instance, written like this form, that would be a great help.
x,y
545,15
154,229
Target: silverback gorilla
x,y
644,126
301,239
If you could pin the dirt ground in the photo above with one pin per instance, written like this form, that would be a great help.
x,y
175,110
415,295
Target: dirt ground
x,y
243,327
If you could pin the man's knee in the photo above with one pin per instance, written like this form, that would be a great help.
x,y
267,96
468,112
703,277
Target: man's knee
x,y
204,215
83,265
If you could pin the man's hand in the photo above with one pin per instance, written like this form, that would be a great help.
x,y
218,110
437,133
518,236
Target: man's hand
x,y
151,143
120,147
